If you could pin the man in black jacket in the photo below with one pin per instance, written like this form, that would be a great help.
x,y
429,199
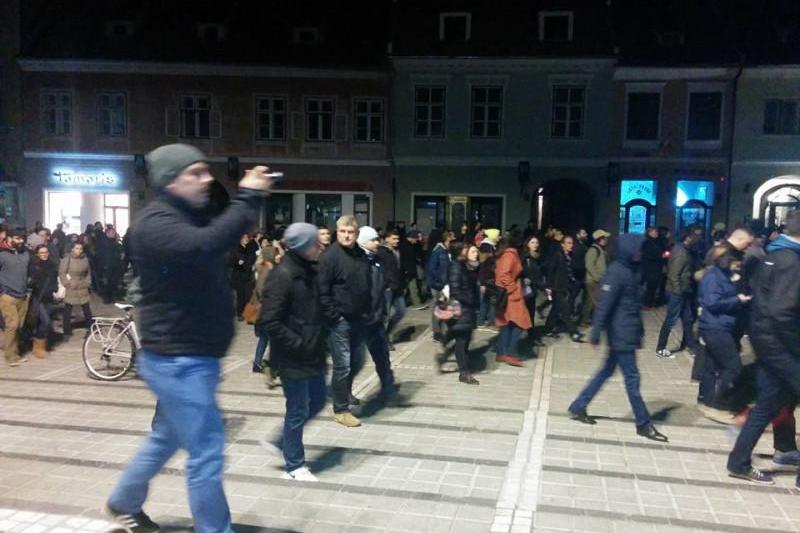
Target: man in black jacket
x,y
185,321
774,334
344,292
562,282
291,316
394,282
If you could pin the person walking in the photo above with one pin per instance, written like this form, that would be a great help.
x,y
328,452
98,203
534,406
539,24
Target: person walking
x,y
75,274
464,288
774,315
619,316
513,319
436,275
533,282
652,267
14,297
561,282
186,325
679,298
579,250
487,249
412,263
265,265
345,292
43,276
291,315
394,280
109,261
596,263
241,262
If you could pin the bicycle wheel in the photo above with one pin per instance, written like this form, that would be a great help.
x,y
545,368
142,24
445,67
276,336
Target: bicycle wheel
x,y
107,352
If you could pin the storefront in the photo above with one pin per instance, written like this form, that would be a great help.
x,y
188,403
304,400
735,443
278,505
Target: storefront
x,y
637,205
694,205
316,207
451,211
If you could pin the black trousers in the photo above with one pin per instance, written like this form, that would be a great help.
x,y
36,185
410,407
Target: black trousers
x,y
244,290
561,312
462,341
87,314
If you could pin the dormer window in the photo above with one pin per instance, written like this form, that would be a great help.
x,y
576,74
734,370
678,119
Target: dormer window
x,y
306,35
211,32
455,26
119,29
555,26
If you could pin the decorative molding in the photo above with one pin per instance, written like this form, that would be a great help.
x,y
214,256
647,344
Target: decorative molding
x,y
478,65
665,74
192,69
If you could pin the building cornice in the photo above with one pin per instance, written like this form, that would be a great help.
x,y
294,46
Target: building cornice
x,y
592,162
192,69
497,64
782,71
79,156
679,73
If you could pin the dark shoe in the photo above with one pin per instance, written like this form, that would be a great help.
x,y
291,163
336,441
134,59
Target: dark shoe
x,y
552,335
582,417
466,377
754,475
257,369
578,337
354,401
391,347
131,523
649,431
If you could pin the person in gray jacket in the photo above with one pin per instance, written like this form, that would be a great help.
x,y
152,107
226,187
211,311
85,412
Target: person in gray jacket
x,y
679,298
14,259
596,263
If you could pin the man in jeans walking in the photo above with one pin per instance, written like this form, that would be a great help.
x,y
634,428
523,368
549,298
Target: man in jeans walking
x,y
344,293
679,302
186,326
14,259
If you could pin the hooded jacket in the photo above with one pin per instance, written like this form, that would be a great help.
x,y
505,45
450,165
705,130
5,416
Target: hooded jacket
x,y
618,312
719,299
438,266
775,307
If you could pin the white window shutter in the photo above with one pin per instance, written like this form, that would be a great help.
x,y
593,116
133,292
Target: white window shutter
x,y
172,122
215,125
340,127
297,126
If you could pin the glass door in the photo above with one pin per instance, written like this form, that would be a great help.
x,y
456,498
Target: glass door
x,y
636,216
323,209
429,212
693,213
117,211
64,207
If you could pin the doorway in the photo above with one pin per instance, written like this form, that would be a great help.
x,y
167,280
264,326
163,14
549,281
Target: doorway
x,y
76,210
565,204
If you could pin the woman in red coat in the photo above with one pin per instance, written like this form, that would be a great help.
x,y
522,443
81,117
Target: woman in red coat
x,y
514,319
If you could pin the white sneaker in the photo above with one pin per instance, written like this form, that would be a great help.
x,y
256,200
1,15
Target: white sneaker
x,y
301,474
665,354
269,447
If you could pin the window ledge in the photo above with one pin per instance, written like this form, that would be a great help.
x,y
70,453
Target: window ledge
x,y
703,145
640,144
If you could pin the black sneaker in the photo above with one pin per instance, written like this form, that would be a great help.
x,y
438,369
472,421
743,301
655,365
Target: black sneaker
x,y
131,523
754,475
582,417
578,337
649,431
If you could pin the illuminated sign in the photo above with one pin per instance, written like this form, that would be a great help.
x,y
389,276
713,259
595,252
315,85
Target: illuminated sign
x,y
85,179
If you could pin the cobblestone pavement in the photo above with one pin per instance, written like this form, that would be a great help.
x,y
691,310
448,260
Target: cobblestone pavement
x,y
500,457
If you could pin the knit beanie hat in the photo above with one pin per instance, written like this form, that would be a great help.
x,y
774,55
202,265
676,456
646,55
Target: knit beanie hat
x,y
300,236
166,162
366,234
492,235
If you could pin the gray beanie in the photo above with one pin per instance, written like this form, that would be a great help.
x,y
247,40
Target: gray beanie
x,y
300,235
166,162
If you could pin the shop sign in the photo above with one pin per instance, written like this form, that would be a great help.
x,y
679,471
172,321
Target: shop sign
x,y
85,179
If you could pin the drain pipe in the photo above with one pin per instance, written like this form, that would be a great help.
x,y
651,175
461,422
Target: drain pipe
x,y
732,140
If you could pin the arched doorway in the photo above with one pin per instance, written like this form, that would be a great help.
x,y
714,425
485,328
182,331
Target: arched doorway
x,y
565,204
775,198
693,213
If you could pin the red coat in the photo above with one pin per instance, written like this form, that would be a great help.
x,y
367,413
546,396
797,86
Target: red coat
x,y
507,274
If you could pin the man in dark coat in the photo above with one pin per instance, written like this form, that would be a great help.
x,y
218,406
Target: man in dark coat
x,y
185,322
774,334
652,267
394,282
562,282
619,315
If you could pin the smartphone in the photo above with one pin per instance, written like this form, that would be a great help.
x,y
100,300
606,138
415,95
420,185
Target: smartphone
x,y
276,176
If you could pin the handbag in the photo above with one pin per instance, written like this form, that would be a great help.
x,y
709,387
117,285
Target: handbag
x,y
60,292
250,312
498,296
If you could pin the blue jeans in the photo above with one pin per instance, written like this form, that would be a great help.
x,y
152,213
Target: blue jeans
x,y
486,311
44,322
304,399
398,302
678,306
626,359
346,343
261,348
187,417
508,339
378,346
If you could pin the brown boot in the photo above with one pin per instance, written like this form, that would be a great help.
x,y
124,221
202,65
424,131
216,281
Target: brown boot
x,y
40,348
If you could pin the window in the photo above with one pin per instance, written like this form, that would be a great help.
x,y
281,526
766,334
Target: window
x,y
555,26
211,32
270,118
429,109
643,115
361,209
369,120
319,119
195,116
111,120
705,116
455,26
487,111
323,209
780,117
306,35
568,104
57,113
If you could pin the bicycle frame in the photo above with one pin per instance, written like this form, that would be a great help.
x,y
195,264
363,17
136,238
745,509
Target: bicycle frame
x,y
110,342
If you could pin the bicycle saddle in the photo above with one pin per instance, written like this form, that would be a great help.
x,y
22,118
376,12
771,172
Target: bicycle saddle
x,y
124,307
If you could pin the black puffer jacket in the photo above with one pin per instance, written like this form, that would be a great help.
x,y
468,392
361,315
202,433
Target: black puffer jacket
x,y
292,318
464,287
619,311
186,305
344,283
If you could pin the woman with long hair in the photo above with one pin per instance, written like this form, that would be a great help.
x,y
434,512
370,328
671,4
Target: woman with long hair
x,y
75,274
264,265
43,274
532,280
463,281
514,317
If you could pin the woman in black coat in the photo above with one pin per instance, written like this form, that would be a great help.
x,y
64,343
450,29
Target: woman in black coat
x,y
43,275
533,279
243,279
464,288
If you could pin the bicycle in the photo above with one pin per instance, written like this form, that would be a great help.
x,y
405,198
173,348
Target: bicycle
x,y
109,349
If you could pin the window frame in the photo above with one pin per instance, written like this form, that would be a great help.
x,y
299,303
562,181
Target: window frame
x,y
796,100
552,14
44,109
369,115
99,108
429,105
307,118
257,112
643,88
196,111
467,15
485,136
705,88
568,84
